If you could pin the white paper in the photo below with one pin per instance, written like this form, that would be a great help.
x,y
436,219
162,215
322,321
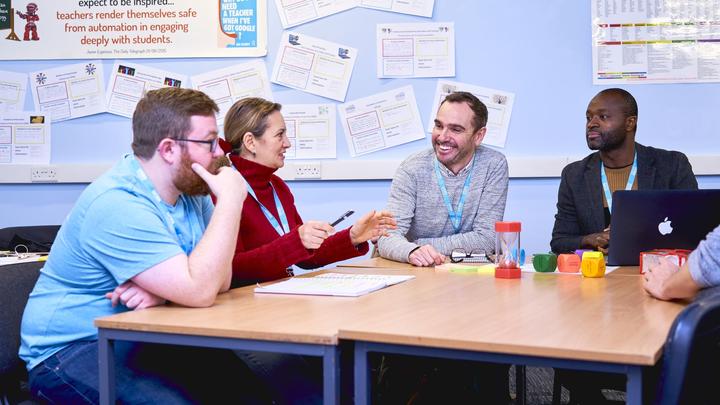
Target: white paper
x,y
294,12
6,261
388,279
226,86
314,65
311,129
130,81
334,284
69,91
13,87
24,137
381,121
416,50
655,41
422,8
498,102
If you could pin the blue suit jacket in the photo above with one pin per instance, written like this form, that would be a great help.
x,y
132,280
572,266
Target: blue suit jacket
x,y
580,208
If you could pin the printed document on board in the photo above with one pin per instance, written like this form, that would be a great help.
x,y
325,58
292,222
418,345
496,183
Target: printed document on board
x,y
381,121
130,81
655,41
13,87
498,102
295,12
314,65
25,137
311,130
226,86
416,50
422,8
69,91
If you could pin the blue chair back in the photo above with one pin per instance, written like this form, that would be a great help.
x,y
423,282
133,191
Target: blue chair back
x,y
691,360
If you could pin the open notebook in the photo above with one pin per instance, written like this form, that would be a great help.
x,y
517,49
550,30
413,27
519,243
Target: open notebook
x,y
336,284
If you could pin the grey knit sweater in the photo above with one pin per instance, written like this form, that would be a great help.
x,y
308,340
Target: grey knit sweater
x,y
422,217
704,261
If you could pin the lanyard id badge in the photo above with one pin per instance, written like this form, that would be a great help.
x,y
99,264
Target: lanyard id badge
x,y
195,228
281,227
454,215
606,186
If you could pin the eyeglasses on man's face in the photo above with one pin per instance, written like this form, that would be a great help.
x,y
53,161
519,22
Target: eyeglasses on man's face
x,y
213,143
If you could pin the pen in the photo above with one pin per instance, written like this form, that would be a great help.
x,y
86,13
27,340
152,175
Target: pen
x,y
342,217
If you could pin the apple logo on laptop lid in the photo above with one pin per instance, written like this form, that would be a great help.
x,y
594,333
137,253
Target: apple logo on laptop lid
x,y
665,227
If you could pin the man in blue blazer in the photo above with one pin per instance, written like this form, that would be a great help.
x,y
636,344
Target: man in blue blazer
x,y
585,197
585,194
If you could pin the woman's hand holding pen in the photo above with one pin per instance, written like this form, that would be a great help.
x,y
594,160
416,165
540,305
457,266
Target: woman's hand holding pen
x,y
371,226
314,233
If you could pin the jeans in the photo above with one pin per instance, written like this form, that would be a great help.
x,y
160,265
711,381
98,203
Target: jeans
x,y
145,373
293,379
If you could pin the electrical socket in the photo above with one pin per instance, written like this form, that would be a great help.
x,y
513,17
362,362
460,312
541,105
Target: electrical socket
x,y
43,174
308,170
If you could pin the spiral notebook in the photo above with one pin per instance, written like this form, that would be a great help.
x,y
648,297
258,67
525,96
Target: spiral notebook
x,y
334,284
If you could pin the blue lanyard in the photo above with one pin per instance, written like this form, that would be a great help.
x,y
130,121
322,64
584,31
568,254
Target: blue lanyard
x,y
280,229
165,209
606,187
455,216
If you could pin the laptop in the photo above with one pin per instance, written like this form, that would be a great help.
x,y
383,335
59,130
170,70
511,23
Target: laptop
x,y
656,219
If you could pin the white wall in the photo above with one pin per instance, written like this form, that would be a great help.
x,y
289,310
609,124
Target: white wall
x,y
540,50
531,201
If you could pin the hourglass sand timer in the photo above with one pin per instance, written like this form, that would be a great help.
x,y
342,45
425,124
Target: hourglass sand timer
x,y
507,249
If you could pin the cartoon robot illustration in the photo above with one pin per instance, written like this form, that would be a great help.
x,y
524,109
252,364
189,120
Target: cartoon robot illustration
x,y
31,18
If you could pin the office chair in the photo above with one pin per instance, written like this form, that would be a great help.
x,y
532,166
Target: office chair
x,y
37,238
691,359
16,282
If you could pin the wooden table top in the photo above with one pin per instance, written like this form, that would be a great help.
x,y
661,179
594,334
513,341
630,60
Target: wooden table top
x,y
240,313
379,262
555,315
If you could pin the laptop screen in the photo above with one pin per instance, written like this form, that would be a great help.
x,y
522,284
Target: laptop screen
x,y
659,219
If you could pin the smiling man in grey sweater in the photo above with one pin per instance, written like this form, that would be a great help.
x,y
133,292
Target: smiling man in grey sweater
x,y
443,199
451,196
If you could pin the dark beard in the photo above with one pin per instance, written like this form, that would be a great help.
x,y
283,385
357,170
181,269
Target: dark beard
x,y
609,140
188,182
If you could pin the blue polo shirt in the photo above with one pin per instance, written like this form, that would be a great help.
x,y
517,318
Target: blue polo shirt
x,y
117,229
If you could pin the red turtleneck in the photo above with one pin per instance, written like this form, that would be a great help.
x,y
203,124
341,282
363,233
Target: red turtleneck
x,y
262,254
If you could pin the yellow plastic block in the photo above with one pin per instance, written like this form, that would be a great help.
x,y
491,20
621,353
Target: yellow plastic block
x,y
593,264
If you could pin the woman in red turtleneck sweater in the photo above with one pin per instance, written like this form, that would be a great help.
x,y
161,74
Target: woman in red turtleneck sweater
x,y
273,238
